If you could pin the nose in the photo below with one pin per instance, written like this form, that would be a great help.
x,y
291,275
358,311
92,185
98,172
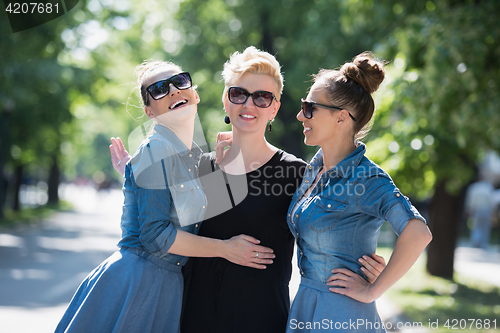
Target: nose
x,y
249,102
300,116
172,89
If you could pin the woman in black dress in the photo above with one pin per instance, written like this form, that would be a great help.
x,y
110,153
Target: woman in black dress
x,y
221,296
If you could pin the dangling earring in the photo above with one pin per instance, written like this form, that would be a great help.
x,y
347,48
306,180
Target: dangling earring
x,y
227,120
271,125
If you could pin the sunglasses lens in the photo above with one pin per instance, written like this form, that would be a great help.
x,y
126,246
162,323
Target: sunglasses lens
x,y
307,109
182,81
238,95
262,99
159,89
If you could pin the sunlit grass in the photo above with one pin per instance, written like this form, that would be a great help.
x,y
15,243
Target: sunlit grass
x,y
428,299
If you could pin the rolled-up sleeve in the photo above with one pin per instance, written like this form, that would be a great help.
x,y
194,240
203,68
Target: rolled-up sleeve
x,y
154,201
381,198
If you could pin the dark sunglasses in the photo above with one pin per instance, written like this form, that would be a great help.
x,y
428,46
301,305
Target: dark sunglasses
x,y
308,108
160,89
262,99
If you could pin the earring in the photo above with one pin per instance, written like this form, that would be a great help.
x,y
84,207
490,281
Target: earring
x,y
271,125
227,120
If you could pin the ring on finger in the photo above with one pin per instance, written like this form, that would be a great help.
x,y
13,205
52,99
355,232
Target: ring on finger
x,y
257,255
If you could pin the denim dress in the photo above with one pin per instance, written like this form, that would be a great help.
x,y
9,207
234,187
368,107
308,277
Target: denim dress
x,y
334,226
139,288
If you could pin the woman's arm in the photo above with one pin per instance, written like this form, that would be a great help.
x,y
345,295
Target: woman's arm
x,y
410,244
241,250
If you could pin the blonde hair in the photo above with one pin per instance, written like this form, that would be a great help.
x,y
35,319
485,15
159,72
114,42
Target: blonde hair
x,y
145,70
253,61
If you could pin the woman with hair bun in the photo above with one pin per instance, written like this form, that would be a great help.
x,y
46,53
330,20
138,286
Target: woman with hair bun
x,y
344,198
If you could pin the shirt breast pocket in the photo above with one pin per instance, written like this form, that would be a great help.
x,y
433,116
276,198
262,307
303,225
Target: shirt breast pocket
x,y
325,214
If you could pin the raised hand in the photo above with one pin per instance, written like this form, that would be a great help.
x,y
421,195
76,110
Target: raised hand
x,y
119,155
224,139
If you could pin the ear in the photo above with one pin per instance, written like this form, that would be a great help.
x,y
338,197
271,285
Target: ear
x,y
196,97
149,112
277,105
341,116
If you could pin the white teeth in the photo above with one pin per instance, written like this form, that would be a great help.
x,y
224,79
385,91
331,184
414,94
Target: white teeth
x,y
178,103
307,128
247,116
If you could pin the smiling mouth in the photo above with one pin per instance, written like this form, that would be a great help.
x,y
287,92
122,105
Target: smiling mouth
x,y
247,116
178,104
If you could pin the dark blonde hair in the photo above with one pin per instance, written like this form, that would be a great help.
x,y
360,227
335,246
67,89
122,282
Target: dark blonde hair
x,y
144,72
351,87
253,61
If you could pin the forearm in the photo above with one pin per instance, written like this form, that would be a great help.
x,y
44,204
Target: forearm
x,y
410,244
190,245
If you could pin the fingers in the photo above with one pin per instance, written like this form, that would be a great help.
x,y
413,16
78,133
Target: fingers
x,y
380,261
249,239
222,136
219,150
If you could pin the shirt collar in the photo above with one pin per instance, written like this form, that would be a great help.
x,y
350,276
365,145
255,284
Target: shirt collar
x,y
347,165
177,143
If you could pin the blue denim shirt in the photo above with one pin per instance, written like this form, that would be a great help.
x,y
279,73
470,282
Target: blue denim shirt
x,y
340,220
163,194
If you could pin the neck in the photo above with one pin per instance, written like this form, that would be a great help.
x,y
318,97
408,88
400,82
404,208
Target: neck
x,y
184,131
335,151
249,151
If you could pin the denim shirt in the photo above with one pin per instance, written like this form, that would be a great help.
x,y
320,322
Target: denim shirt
x,y
162,195
340,220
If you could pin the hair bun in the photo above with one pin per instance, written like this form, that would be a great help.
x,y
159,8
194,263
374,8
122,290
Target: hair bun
x,y
367,71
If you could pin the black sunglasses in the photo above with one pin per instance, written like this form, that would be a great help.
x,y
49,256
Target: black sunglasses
x,y
160,89
308,108
262,99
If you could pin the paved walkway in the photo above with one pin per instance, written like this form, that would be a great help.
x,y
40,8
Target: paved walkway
x,y
41,266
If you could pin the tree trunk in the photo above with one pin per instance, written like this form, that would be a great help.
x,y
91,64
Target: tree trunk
x,y
4,131
53,182
17,189
444,218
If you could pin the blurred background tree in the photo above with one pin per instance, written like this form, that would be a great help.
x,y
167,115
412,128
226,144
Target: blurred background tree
x,y
68,86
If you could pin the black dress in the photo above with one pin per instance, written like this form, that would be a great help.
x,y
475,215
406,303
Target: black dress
x,y
224,297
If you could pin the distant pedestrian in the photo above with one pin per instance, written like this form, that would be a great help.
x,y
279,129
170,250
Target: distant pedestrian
x,y
479,206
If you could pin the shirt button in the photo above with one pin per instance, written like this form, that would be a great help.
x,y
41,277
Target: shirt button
x,y
310,167
178,263
296,215
397,194
182,185
203,207
196,226
329,206
307,181
189,170
190,155
197,187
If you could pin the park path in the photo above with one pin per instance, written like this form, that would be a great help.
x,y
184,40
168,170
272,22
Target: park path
x,y
42,265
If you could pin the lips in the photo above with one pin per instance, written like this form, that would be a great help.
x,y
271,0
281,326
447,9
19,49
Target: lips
x,y
177,104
